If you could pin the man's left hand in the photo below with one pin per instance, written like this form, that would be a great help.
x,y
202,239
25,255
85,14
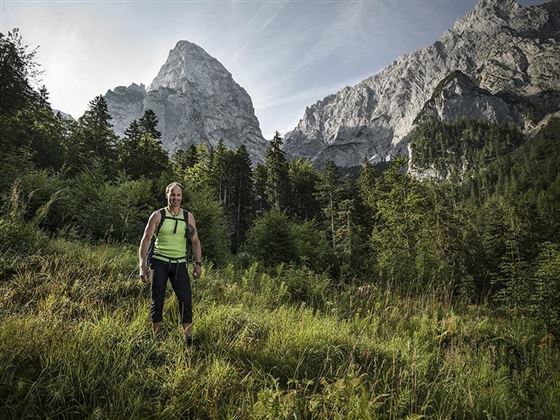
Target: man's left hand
x,y
196,271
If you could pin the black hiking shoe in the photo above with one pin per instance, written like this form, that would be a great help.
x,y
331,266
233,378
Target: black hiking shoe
x,y
188,341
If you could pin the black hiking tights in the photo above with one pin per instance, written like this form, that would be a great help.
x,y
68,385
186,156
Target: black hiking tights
x,y
177,273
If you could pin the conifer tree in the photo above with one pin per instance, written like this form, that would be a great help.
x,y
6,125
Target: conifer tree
x,y
329,193
277,180
303,181
261,202
242,195
366,180
148,124
140,154
95,135
17,69
219,172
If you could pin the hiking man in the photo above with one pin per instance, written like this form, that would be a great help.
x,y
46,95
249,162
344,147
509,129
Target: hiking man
x,y
172,227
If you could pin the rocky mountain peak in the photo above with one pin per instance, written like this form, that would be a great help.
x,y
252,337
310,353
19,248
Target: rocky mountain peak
x,y
196,100
189,65
496,63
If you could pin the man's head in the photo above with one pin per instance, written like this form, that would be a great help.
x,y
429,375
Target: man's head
x,y
174,194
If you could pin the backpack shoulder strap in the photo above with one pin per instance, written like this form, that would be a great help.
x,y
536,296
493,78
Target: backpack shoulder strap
x,y
188,232
162,218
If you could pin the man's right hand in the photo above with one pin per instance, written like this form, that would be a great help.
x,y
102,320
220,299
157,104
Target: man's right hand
x,y
144,272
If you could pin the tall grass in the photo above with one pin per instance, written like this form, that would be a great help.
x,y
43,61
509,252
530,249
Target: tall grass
x,y
75,342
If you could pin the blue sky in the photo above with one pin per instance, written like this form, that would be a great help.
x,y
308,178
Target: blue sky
x,y
286,54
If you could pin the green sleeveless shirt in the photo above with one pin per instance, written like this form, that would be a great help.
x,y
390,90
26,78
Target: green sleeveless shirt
x,y
171,243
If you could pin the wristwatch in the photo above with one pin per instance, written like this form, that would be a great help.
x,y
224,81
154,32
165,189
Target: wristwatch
x,y
198,263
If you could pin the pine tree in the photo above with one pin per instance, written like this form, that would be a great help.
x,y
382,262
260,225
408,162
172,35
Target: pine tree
x,y
219,173
366,183
183,159
17,70
95,135
148,124
277,180
140,154
242,195
329,193
261,202
303,179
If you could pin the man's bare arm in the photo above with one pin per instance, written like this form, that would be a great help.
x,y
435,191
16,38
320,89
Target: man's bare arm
x,y
197,248
145,242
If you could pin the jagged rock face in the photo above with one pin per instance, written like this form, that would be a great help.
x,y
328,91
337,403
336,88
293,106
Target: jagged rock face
x,y
125,104
196,100
458,96
504,49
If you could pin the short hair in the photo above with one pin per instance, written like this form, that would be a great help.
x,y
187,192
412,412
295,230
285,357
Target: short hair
x,y
170,187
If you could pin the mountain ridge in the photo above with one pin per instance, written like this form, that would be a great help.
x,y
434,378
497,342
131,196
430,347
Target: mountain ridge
x,y
501,45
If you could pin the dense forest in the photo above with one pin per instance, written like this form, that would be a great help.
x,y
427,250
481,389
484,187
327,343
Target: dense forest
x,y
482,232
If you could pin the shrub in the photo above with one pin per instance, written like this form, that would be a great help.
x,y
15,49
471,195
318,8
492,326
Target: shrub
x,y
271,239
209,217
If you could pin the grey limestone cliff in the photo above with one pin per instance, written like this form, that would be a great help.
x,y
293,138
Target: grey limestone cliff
x,y
495,59
196,100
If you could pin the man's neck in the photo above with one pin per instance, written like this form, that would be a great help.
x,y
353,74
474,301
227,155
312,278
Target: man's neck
x,y
174,210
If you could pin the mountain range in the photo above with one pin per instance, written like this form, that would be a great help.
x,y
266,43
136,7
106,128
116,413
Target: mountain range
x,y
499,63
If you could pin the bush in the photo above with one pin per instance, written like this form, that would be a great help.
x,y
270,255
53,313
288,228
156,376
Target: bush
x,y
209,217
271,239
17,236
311,246
546,301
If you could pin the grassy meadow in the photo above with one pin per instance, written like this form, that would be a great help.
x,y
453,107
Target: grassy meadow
x,y
75,341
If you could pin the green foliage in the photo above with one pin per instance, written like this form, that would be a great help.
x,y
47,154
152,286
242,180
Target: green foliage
x,y
546,296
329,193
460,148
515,279
531,289
18,237
268,344
274,238
17,70
303,180
277,181
148,124
311,245
242,196
94,138
270,238
14,163
210,224
197,175
140,152
261,202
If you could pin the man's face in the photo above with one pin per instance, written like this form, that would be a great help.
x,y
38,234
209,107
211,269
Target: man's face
x,y
174,197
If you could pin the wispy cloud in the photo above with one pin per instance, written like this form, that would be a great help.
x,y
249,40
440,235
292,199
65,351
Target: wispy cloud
x,y
308,96
259,22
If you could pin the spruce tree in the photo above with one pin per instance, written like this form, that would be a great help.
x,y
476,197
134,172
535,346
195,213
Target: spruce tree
x,y
277,180
140,154
261,202
219,173
148,124
95,134
329,193
17,70
242,195
303,181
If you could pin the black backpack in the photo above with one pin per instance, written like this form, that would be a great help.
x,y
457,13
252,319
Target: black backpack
x,y
188,233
